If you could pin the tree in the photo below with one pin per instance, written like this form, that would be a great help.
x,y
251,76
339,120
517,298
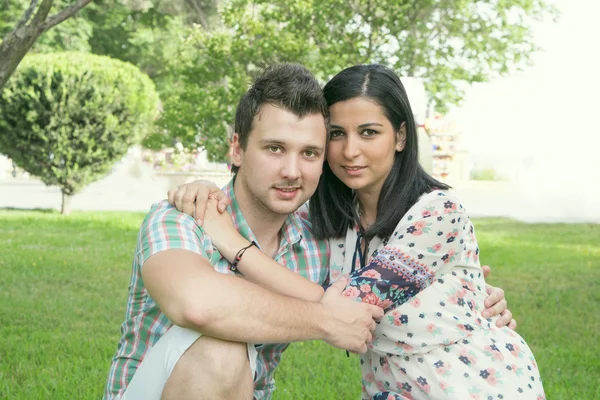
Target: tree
x,y
32,24
68,117
447,43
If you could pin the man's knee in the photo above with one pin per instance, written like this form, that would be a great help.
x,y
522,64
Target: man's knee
x,y
214,360
227,361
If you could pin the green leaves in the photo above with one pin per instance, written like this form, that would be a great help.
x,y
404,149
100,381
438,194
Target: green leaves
x,y
448,44
67,117
202,60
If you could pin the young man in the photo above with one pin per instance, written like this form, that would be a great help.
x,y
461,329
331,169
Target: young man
x,y
191,323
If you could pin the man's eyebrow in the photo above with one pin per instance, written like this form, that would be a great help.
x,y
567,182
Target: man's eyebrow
x,y
272,141
282,143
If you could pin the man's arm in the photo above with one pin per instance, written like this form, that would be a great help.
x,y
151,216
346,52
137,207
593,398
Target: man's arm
x,y
192,198
193,295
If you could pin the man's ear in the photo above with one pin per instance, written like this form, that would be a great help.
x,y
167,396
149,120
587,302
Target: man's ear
x,y
401,137
237,152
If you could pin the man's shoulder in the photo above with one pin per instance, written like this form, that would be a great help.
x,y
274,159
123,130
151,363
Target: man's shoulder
x,y
165,228
162,214
163,223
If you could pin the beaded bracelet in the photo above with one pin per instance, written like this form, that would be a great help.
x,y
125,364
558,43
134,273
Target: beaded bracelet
x,y
239,255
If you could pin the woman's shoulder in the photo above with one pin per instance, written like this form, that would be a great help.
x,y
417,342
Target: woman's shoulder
x,y
433,203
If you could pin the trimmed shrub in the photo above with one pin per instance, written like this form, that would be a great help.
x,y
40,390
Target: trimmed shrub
x,y
68,117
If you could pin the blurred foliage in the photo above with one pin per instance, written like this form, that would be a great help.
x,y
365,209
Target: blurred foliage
x,y
68,117
448,44
202,53
486,174
72,34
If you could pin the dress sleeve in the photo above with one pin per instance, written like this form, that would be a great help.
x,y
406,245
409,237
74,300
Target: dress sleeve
x,y
428,241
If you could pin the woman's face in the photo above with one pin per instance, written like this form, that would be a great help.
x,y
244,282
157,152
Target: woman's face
x,y
362,144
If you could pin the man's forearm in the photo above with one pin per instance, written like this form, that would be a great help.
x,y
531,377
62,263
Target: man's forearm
x,y
245,312
195,296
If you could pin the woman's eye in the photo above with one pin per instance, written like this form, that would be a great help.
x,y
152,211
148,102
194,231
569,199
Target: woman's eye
x,y
334,134
369,132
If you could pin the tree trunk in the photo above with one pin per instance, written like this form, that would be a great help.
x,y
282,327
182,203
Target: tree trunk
x,y
18,42
65,208
12,51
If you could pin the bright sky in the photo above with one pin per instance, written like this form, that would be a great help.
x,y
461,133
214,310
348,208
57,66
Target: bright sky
x,y
541,127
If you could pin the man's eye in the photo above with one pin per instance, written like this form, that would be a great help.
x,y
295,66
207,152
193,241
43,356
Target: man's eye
x,y
274,149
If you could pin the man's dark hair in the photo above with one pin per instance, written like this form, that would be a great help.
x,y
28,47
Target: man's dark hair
x,y
289,86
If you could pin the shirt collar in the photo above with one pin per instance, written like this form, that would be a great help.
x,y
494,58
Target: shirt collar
x,y
292,227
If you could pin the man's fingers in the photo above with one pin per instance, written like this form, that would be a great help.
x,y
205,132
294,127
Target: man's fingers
x,y
376,312
505,318
486,270
513,324
338,286
362,349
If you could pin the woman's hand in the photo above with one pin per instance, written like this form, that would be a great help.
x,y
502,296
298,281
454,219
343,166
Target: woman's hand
x,y
192,198
219,227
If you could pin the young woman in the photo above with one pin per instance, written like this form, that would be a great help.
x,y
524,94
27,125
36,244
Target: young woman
x,y
406,245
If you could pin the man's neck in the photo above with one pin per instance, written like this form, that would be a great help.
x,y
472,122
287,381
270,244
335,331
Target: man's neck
x,y
264,224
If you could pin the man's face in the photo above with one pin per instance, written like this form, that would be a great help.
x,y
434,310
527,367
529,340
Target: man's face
x,y
283,160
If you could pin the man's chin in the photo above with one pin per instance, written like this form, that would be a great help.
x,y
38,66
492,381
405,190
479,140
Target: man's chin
x,y
285,207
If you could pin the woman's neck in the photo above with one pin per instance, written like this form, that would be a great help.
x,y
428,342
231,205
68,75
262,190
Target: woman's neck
x,y
367,206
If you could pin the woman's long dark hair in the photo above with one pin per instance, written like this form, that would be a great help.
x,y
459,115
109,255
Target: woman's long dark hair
x,y
332,207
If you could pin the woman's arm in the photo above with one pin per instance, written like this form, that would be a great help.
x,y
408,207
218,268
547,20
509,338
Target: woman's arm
x,y
255,265
427,242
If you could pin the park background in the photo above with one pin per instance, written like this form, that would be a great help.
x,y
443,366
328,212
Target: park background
x,y
520,149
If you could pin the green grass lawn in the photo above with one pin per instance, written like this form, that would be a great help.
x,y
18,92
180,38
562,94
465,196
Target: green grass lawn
x,y
63,287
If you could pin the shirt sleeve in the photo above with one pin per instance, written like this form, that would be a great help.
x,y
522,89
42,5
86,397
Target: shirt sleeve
x,y
427,242
166,228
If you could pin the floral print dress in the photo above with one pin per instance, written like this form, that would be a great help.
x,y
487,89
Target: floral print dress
x,y
433,342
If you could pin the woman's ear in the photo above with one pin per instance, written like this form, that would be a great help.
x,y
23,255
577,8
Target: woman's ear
x,y
401,137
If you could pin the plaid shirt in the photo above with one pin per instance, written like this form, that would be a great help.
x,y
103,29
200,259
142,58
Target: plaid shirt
x,y
166,228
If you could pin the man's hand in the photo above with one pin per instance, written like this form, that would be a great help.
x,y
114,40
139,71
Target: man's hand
x,y
192,198
495,304
352,324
